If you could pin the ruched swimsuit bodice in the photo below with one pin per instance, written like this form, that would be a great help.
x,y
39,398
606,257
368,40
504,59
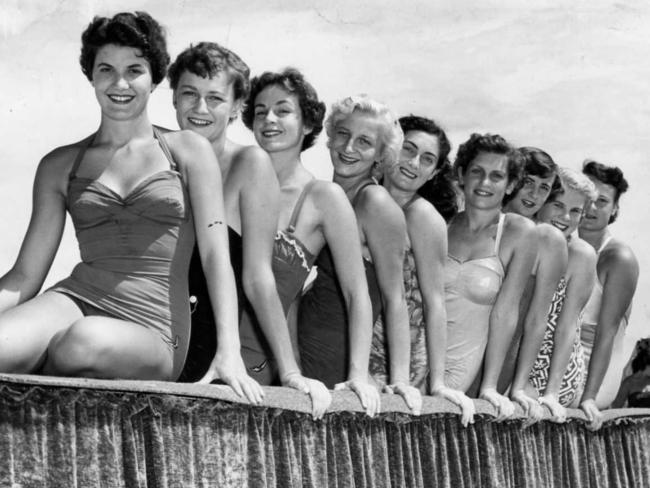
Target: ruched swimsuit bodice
x,y
135,250
471,289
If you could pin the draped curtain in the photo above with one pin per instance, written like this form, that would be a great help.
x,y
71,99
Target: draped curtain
x,y
72,432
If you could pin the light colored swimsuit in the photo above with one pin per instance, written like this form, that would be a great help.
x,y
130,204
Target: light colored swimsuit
x,y
614,374
419,364
471,289
135,251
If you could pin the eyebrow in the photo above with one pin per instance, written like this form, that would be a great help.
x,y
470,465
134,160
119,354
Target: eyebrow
x,y
192,87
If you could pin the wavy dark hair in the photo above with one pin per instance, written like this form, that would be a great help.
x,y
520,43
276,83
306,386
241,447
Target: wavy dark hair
x,y
206,59
489,143
292,81
439,190
610,175
535,162
138,30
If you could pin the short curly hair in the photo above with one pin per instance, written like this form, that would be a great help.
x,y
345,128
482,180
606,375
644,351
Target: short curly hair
x,y
535,162
206,59
610,175
488,143
439,190
138,30
391,135
292,81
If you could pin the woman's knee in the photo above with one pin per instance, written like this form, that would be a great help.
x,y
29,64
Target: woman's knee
x,y
76,351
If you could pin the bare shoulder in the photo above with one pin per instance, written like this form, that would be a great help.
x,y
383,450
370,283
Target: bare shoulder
x,y
517,224
549,236
422,214
618,255
375,199
187,147
57,164
581,253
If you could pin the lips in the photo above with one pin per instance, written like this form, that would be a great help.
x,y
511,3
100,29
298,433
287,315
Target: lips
x,y
199,122
121,99
559,225
482,193
527,203
347,159
271,133
409,174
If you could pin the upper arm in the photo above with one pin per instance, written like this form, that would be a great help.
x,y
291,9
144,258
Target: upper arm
x,y
258,208
581,279
339,225
552,258
619,286
384,226
523,237
202,175
47,220
428,235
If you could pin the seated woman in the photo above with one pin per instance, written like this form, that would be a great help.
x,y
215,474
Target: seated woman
x,y
539,179
422,159
210,84
490,257
634,391
362,134
558,372
135,196
607,312
286,116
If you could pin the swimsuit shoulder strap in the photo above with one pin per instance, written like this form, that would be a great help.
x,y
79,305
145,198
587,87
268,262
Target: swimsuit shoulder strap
x,y
80,156
165,148
296,210
605,242
497,241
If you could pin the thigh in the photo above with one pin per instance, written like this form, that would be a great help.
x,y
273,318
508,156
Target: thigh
x,y
105,347
26,330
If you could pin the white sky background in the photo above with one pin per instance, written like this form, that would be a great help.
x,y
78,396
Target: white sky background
x,y
568,77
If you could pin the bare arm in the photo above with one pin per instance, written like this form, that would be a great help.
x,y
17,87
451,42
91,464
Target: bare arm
x,y
339,226
582,275
43,236
620,280
203,177
428,234
552,262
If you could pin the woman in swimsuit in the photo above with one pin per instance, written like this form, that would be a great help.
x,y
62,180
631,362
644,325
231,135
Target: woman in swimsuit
x,y
363,136
286,116
608,309
490,256
135,196
558,372
210,85
422,158
539,180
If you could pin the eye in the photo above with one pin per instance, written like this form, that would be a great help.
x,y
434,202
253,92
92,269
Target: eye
x,y
260,113
214,99
528,182
545,188
189,94
408,149
136,71
428,160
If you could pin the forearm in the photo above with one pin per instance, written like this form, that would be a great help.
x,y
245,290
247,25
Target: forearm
x,y
359,311
436,327
221,288
562,348
501,329
599,362
263,296
531,343
399,340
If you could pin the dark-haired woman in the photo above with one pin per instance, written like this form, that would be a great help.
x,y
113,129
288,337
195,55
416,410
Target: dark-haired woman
x,y
210,85
422,165
607,312
490,256
539,180
634,391
136,196
286,116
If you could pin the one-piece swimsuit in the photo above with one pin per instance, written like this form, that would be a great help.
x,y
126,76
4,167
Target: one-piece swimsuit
x,y
135,251
323,339
471,289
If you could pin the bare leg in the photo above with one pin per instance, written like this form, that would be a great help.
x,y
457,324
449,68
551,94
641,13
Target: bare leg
x,y
26,330
102,347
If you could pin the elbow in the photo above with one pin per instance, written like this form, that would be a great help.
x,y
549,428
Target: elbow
x,y
258,284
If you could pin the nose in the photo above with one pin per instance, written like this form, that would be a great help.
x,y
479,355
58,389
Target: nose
x,y
271,116
414,162
121,83
201,106
349,145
